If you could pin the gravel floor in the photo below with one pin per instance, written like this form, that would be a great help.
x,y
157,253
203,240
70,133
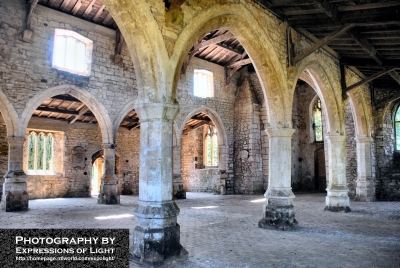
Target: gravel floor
x,y
221,231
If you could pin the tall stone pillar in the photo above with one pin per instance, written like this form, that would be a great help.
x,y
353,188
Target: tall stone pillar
x,y
337,198
365,190
15,195
109,181
278,210
157,234
178,191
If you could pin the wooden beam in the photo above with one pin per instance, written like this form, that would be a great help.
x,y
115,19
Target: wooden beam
x,y
65,4
98,13
395,76
55,110
77,6
314,39
200,124
134,126
364,44
195,117
32,4
297,12
81,113
119,41
107,19
322,43
89,8
369,6
329,9
379,74
240,63
383,103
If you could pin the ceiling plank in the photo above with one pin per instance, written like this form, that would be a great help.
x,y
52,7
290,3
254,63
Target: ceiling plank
x,y
55,110
80,114
77,6
190,128
324,41
98,13
364,44
395,76
369,79
89,8
65,4
240,63
329,9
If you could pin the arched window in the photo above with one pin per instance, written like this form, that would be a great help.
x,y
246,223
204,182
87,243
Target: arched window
x,y
211,143
397,128
40,151
203,84
72,52
317,121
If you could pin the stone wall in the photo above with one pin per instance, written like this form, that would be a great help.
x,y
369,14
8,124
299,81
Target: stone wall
x,y
3,152
351,152
26,68
248,167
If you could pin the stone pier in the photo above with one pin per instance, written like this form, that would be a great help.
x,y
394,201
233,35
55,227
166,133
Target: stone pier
x,y
109,181
278,210
15,196
157,234
365,190
337,198
178,191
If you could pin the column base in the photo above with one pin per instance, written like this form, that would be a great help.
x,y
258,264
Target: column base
x,y
108,190
178,191
157,234
365,190
337,199
15,196
279,212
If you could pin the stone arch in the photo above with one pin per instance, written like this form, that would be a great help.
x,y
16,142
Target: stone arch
x,y
122,113
312,70
10,116
242,23
92,103
145,44
222,142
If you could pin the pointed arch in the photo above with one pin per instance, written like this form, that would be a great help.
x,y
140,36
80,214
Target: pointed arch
x,y
242,23
9,114
89,100
121,115
312,70
145,44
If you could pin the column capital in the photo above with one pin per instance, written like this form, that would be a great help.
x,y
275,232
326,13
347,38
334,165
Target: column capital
x,y
336,138
363,138
16,140
280,132
149,111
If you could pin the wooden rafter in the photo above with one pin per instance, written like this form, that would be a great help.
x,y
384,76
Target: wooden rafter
x,y
98,13
395,76
369,79
329,9
324,41
200,124
77,6
369,6
366,46
80,114
65,4
89,8
32,6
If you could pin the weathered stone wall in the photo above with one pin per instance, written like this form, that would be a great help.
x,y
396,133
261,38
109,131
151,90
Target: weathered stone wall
x,y
248,167
3,152
222,103
128,149
25,68
351,152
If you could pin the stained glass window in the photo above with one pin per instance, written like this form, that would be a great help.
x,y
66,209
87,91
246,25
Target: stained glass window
x,y
397,128
317,121
40,151
211,143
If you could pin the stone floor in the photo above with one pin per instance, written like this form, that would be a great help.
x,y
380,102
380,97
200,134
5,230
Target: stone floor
x,y
221,231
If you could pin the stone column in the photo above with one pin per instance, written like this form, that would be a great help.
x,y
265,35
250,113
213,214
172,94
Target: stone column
x,y
157,234
109,181
365,190
278,210
178,191
337,198
222,165
15,195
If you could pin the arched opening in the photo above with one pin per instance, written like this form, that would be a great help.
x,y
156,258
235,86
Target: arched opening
x,y
128,151
3,152
97,173
200,159
308,148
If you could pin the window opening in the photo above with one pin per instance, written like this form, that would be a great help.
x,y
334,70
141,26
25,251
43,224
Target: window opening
x,y
40,151
203,85
72,52
317,121
397,128
211,142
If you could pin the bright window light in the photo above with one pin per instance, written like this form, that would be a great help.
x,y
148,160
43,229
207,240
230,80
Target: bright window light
x,y
111,217
203,84
72,52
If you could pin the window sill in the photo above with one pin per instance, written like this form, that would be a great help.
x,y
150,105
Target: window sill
x,y
41,172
